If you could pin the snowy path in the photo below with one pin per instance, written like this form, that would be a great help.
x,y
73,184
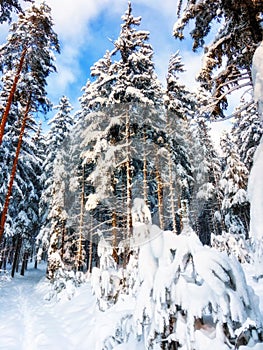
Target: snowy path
x,y
28,322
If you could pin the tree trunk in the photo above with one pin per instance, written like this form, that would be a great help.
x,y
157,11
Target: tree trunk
x,y
79,258
172,190
3,254
16,257
24,264
159,193
128,188
128,177
11,95
170,171
114,222
90,257
145,185
62,249
13,172
90,251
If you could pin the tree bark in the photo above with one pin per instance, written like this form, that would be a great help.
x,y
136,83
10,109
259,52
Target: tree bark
x,y
159,193
79,258
16,257
11,95
62,249
3,255
128,177
13,172
172,190
114,223
145,185
170,171
24,264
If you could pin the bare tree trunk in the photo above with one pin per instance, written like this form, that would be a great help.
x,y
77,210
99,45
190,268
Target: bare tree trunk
x,y
145,186
128,186
159,193
11,95
24,263
114,233
79,258
62,249
170,171
129,178
3,254
172,190
90,255
16,256
13,172
114,222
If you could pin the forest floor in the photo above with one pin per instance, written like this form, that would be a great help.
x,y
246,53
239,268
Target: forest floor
x,y
28,321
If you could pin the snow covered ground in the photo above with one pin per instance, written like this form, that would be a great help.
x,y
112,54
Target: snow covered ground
x,y
29,322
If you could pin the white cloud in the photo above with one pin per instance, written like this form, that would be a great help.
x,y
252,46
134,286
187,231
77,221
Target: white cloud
x,y
72,24
192,62
71,20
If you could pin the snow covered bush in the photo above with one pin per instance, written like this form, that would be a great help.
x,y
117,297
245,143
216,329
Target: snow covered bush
x,y
64,284
106,280
181,295
190,294
235,244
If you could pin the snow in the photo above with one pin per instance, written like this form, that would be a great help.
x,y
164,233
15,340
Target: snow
x,y
257,76
30,322
255,188
255,193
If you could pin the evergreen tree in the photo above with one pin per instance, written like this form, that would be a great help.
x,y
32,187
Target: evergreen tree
x,y
180,105
207,197
247,131
22,220
60,127
118,110
9,6
28,57
235,205
29,45
232,49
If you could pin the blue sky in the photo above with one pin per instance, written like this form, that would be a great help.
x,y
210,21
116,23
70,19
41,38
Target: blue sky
x,y
84,28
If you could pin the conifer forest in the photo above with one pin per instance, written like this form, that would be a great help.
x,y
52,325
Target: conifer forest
x,y
122,224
